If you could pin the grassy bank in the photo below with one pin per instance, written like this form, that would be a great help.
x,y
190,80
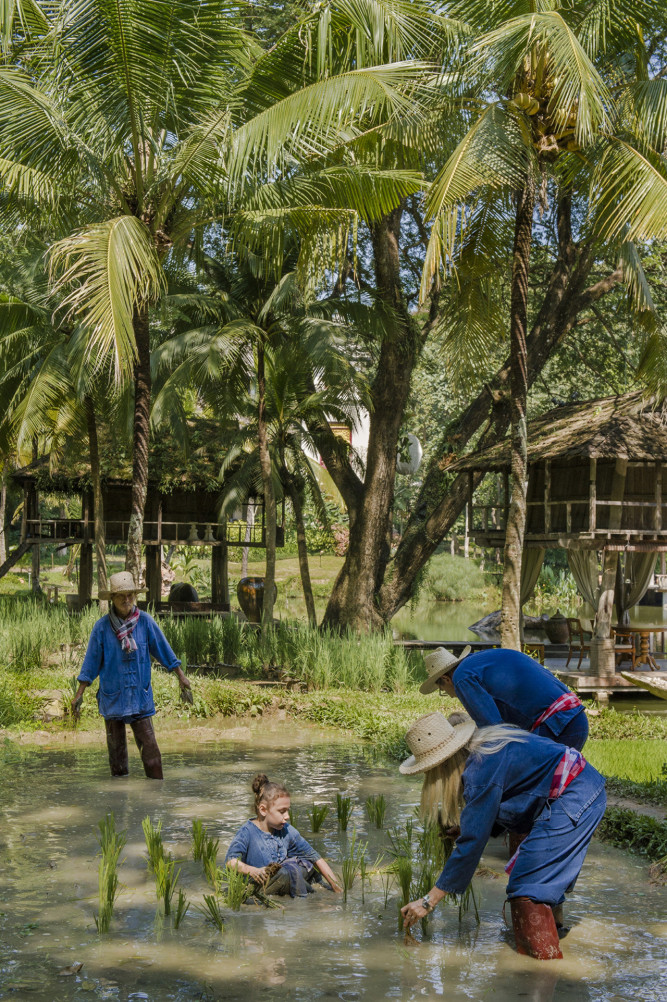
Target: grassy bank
x,y
366,685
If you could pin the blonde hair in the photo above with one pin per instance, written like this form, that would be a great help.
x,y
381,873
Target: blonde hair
x,y
442,791
488,740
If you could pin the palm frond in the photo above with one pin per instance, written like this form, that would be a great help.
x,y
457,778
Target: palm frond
x,y
629,193
111,269
639,291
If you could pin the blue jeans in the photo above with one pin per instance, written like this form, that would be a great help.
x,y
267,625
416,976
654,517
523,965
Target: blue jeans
x,y
574,735
553,852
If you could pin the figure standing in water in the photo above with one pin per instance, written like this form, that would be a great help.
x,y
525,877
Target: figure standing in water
x,y
119,652
500,686
502,778
271,851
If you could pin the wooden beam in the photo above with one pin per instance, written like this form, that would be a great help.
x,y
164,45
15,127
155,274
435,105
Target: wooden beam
x,y
547,495
592,494
658,496
85,574
154,574
219,574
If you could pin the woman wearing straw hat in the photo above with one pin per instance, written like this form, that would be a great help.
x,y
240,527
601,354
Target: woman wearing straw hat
x,y
499,686
119,651
501,777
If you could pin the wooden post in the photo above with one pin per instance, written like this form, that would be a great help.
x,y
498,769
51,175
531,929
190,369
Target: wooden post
x,y
466,530
658,496
219,576
547,496
33,513
154,574
606,601
592,495
85,591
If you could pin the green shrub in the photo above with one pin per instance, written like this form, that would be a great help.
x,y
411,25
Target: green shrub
x,y
454,579
636,832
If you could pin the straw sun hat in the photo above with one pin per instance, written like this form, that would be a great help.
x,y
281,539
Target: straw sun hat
x,y
120,582
434,738
438,663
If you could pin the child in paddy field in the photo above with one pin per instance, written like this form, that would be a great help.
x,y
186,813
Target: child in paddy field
x,y
268,839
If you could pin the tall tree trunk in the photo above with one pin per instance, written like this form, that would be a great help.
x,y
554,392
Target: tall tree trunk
x,y
510,623
3,512
302,550
98,503
269,494
141,439
352,601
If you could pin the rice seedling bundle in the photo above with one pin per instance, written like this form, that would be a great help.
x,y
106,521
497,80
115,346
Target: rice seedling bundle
x,y
343,810
211,911
111,846
153,836
182,905
376,808
317,814
166,878
236,887
199,838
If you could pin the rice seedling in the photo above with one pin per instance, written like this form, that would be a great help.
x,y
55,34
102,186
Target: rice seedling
x,y
317,814
153,836
343,810
403,866
363,874
376,808
211,911
199,837
182,905
210,862
386,882
351,865
166,878
293,817
111,845
400,843
236,887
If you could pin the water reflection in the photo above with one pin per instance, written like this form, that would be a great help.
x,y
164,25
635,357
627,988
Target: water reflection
x,y
310,949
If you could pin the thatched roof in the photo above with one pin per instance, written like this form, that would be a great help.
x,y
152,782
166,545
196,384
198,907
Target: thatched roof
x,y
624,427
169,466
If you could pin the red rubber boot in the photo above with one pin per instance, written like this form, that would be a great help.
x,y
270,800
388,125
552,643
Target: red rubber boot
x,y
535,929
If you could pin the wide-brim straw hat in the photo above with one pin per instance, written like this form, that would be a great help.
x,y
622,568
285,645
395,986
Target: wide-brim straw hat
x,y
119,582
438,663
434,738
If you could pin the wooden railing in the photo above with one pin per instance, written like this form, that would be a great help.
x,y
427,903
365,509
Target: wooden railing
x,y
493,517
71,530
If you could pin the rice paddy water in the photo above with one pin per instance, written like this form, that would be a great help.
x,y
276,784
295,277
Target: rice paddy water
x,y
319,948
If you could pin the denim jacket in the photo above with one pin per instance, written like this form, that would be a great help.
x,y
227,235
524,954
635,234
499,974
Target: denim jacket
x,y
258,848
500,686
125,690
506,789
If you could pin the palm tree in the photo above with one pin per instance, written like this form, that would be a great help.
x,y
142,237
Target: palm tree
x,y
272,364
558,104
141,123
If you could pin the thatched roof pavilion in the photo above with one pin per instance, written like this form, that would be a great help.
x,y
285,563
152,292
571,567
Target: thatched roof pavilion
x,y
595,475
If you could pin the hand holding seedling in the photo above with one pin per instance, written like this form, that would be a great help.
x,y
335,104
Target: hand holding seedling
x,y
77,702
416,910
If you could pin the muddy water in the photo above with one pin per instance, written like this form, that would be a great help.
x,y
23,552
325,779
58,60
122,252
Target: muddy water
x,y
51,800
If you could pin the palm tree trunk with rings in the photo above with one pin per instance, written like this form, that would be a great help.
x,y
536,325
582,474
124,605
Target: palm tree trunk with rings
x,y
142,400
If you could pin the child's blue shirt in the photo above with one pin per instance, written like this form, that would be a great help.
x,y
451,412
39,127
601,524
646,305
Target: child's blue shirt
x,y
125,691
257,848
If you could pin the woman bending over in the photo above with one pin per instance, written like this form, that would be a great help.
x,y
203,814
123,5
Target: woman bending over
x,y
271,851
501,778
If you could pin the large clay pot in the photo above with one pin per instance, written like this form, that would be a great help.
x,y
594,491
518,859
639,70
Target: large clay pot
x,y
556,629
250,593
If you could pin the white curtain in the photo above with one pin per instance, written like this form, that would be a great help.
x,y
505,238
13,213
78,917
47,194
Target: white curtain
x,y
584,567
637,577
531,565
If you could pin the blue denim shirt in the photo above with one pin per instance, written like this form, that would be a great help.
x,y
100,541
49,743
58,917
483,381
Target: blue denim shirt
x,y
125,691
508,789
257,848
506,687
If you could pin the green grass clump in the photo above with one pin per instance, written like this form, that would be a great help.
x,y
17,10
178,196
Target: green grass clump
x,y
376,808
317,814
212,912
343,811
153,836
111,846
636,832
235,887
